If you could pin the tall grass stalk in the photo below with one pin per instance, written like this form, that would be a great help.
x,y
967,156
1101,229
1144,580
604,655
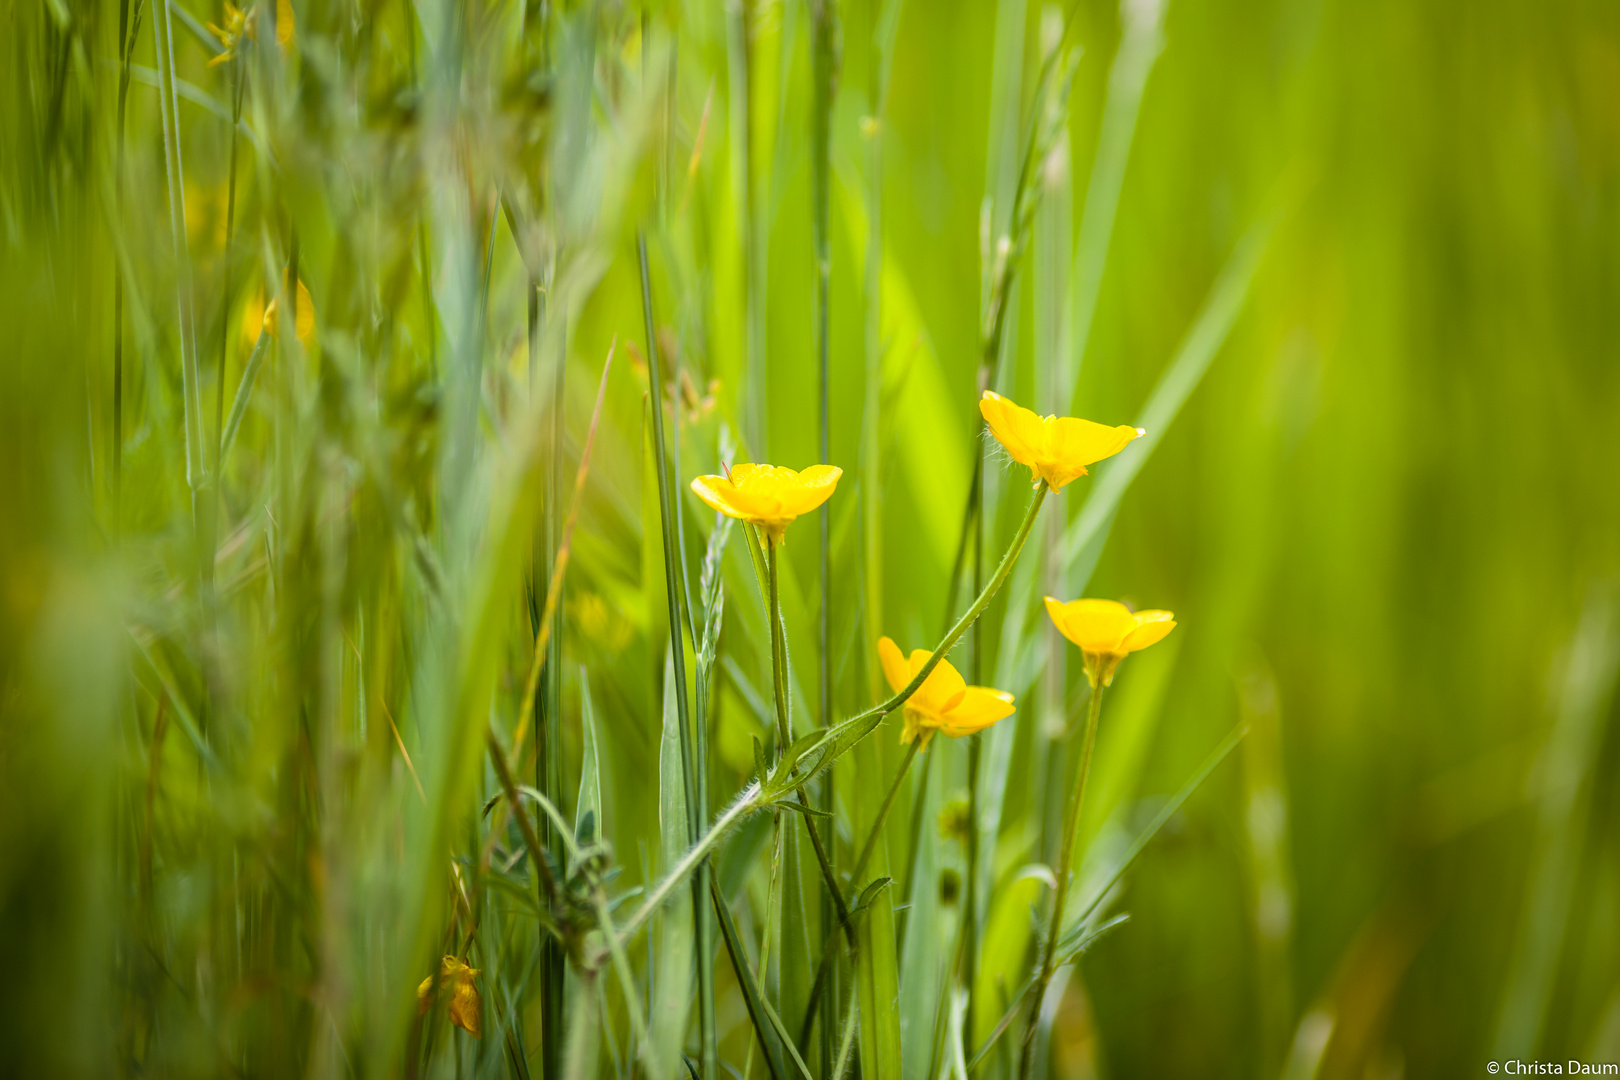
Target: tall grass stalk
x,y
1060,892
823,18
1139,48
238,81
168,104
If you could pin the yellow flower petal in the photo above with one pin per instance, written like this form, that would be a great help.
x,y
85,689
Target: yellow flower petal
x,y
979,707
811,488
455,981
944,702
1151,627
1057,449
1085,441
1107,631
717,491
942,689
1015,427
768,496
286,28
1097,626
895,668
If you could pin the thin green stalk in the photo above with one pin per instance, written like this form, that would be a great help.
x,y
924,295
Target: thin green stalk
x,y
823,15
1054,929
678,592
531,839
545,694
126,45
674,568
713,601
913,844
746,802
970,890
169,108
826,967
784,733
244,390
753,996
883,812
225,303
847,1043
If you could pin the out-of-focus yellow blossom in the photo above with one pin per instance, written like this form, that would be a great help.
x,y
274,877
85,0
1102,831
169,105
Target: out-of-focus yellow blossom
x,y
286,27
767,495
455,983
256,316
600,623
237,29
1106,631
944,702
241,26
1057,449
205,213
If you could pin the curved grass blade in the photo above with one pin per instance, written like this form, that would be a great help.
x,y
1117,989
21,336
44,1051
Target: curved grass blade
x,y
770,1041
1075,934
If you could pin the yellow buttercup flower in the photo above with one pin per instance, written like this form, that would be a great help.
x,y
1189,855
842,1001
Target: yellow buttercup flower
x,y
1057,449
1106,631
944,702
767,495
456,983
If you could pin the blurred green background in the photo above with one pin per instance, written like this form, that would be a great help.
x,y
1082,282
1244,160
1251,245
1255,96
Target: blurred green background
x,y
1386,517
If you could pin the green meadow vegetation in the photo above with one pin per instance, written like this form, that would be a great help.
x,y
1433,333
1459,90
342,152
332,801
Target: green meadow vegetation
x,y
406,672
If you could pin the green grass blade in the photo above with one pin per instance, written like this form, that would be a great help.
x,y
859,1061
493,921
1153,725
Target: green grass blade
x,y
1077,925
672,986
770,1040
1203,340
877,976
589,803
1139,48
1585,695
583,1041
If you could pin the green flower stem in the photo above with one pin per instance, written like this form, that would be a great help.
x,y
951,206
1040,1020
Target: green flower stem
x,y
779,678
746,803
244,390
919,802
784,733
1071,825
883,813
824,968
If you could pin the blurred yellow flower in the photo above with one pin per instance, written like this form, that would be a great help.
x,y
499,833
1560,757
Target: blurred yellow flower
x,y
1106,631
285,25
767,495
600,623
944,702
455,982
205,213
256,316
240,26
1057,449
